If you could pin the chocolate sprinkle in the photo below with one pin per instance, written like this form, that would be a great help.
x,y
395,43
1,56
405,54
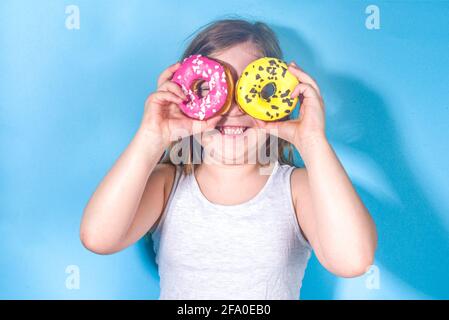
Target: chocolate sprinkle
x,y
282,102
283,72
285,93
288,101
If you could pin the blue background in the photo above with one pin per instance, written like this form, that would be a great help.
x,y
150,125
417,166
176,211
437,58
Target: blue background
x,y
71,100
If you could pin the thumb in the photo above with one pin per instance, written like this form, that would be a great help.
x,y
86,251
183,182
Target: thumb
x,y
266,125
199,126
212,122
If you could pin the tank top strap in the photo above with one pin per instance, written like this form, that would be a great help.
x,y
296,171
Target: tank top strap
x,y
178,175
284,183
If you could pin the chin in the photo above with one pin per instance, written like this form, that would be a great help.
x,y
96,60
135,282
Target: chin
x,y
226,152
234,144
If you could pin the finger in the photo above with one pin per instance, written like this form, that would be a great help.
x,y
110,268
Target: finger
x,y
302,76
261,124
168,73
306,90
212,122
174,88
205,125
164,96
270,127
193,126
174,111
279,129
197,126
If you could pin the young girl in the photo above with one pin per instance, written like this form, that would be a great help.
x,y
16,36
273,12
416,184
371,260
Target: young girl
x,y
222,227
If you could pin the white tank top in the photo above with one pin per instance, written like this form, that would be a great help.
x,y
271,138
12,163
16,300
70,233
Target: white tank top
x,y
253,250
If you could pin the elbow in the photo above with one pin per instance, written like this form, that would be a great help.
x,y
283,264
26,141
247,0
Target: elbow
x,y
356,266
94,243
361,258
92,237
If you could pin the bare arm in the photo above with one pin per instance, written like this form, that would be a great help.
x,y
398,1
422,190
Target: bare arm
x,y
131,197
330,212
118,204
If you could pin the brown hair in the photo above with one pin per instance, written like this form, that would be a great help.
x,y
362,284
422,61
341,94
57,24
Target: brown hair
x,y
220,35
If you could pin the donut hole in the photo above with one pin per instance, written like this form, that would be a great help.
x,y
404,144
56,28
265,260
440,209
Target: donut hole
x,y
201,88
268,90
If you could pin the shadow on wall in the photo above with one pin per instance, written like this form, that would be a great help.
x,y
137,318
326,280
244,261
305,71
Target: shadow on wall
x,y
148,255
412,242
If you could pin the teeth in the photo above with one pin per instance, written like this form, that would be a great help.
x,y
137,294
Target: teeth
x,y
232,130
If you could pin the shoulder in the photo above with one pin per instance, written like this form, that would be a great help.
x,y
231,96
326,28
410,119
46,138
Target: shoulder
x,y
164,170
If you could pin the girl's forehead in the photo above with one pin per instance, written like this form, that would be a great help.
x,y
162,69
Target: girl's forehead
x,y
238,56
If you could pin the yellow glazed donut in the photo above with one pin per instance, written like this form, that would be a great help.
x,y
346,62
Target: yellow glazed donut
x,y
264,88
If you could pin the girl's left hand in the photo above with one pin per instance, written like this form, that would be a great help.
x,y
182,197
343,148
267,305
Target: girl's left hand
x,y
311,121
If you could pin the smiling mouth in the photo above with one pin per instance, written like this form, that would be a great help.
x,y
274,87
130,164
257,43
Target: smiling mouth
x,y
231,130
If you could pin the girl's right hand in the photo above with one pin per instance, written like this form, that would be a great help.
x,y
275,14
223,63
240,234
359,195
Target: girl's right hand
x,y
162,116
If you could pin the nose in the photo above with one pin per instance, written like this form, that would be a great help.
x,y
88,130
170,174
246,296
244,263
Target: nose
x,y
234,110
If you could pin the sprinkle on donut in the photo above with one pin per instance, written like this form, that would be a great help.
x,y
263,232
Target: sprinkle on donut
x,y
262,74
199,68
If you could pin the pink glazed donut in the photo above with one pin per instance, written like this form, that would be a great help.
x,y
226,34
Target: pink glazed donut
x,y
196,69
